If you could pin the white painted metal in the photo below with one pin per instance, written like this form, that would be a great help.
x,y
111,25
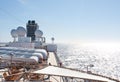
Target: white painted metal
x,y
58,71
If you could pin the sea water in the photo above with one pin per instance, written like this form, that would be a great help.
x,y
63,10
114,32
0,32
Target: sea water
x,y
105,58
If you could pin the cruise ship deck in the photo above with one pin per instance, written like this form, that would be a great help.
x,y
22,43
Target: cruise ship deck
x,y
35,60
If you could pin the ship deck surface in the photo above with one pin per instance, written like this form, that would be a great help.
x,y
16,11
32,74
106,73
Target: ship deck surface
x,y
53,61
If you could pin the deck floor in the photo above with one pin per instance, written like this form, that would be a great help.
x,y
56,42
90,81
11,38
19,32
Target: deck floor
x,y
53,61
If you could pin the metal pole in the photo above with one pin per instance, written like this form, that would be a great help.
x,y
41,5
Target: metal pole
x,y
11,54
87,68
60,78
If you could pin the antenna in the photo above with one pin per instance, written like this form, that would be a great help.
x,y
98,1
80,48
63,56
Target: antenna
x,y
11,55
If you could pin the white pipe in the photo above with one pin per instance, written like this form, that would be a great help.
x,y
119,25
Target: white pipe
x,y
15,59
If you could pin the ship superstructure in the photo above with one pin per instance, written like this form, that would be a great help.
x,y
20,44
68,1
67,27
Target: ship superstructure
x,y
30,58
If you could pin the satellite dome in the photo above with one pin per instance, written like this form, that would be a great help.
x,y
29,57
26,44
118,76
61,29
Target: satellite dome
x,y
38,33
14,33
21,31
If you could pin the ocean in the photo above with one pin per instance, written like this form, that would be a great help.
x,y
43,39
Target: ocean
x,y
104,58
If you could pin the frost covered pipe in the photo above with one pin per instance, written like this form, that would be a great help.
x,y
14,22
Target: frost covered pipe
x,y
35,58
42,54
15,59
24,50
38,55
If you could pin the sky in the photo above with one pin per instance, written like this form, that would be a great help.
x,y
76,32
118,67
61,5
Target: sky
x,y
65,20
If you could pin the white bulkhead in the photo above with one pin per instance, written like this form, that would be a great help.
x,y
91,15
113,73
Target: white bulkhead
x,y
51,47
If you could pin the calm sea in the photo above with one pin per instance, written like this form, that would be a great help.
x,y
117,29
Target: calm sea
x,y
105,58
